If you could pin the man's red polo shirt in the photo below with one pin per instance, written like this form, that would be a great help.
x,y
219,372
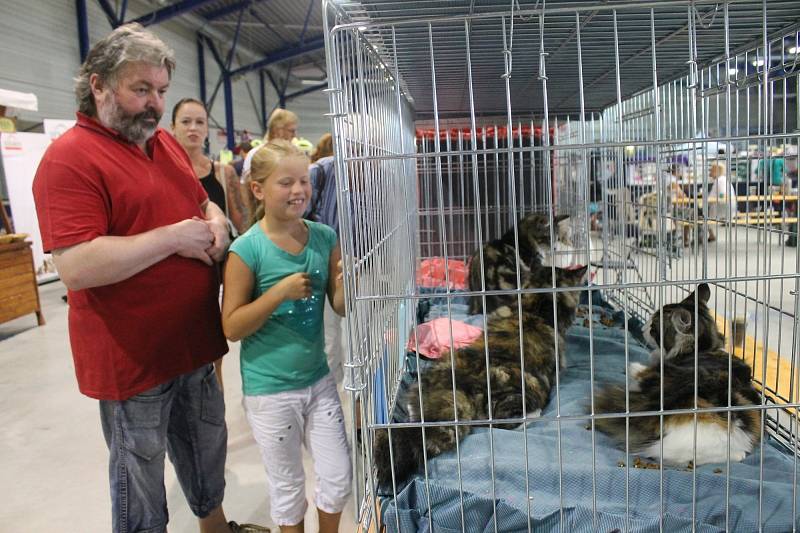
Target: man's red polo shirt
x,y
129,336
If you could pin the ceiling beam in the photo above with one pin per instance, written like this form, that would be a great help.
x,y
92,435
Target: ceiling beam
x,y
171,11
282,55
313,88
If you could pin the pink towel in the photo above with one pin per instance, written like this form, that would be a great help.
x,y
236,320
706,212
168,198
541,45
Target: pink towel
x,y
431,273
434,337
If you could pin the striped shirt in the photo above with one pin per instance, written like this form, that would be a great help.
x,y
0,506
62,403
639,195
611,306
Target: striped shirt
x,y
322,207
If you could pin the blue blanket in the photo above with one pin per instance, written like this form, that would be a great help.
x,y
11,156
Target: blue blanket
x,y
416,507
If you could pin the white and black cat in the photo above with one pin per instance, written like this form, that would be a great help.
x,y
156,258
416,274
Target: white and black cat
x,y
712,363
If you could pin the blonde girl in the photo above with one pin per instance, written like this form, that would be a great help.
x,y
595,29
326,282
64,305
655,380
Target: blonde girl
x,y
276,279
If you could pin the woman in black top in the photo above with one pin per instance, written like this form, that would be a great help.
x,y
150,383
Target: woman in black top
x,y
190,127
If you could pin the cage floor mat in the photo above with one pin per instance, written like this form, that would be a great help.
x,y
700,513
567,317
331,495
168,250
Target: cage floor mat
x,y
578,487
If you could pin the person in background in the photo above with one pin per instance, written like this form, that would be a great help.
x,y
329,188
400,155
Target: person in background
x,y
277,277
135,240
324,148
721,198
190,127
282,124
323,208
241,150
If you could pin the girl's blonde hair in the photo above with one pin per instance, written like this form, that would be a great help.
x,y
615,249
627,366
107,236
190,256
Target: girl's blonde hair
x,y
265,160
279,119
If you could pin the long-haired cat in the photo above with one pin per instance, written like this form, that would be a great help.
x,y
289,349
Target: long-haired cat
x,y
505,377
500,260
678,350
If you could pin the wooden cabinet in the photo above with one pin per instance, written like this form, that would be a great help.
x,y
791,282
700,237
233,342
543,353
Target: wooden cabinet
x,y
19,293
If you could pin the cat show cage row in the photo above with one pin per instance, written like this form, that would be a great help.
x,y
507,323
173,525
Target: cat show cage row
x,y
454,119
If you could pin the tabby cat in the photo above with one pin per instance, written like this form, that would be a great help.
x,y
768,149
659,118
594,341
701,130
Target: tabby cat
x,y
500,260
505,376
679,391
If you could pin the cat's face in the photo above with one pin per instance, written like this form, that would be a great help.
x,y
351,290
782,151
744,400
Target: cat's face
x,y
679,321
536,227
542,277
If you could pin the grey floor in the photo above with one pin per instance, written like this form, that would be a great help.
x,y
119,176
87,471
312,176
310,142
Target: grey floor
x,y
53,457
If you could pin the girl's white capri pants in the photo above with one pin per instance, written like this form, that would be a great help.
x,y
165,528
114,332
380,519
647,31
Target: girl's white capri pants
x,y
281,424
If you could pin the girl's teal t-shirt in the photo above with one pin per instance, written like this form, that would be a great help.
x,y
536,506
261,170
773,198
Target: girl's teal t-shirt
x,y
288,351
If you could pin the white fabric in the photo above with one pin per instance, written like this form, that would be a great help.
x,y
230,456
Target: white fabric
x,y
19,100
724,208
334,346
284,422
248,160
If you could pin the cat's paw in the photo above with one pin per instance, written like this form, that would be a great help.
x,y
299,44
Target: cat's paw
x,y
501,375
440,441
634,369
737,456
504,312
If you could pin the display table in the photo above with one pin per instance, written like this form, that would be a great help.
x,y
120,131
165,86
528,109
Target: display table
x,y
19,293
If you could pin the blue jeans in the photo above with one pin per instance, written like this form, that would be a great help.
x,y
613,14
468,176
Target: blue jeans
x,y
184,417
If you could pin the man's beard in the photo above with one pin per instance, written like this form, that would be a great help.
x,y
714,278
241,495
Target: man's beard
x,y
135,128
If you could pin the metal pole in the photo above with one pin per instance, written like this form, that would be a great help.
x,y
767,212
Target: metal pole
x,y
228,90
83,28
262,86
201,69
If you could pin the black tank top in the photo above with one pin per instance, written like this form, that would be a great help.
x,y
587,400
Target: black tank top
x,y
214,190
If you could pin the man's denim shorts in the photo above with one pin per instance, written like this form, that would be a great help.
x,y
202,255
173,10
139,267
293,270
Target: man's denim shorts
x,y
184,417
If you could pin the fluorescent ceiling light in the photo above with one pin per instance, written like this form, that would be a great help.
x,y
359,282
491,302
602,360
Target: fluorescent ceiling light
x,y
312,82
793,50
362,28
733,71
759,62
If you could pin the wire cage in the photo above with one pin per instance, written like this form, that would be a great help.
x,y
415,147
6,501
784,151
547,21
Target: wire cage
x,y
667,132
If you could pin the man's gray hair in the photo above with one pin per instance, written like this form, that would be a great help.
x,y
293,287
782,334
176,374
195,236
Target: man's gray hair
x,y
124,45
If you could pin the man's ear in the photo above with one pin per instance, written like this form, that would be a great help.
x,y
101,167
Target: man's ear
x,y
97,84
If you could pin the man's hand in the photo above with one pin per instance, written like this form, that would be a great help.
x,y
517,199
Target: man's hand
x,y
193,238
218,225
218,228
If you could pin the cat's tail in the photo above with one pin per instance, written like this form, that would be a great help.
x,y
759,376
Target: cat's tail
x,y
404,458
640,430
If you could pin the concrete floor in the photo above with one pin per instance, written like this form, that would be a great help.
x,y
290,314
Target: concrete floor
x,y
53,457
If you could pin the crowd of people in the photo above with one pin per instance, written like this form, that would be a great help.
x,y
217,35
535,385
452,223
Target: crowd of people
x,y
144,229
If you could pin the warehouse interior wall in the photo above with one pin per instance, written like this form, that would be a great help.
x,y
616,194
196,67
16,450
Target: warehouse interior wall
x,y
40,54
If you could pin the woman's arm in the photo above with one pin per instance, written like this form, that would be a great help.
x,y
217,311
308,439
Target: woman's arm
x,y
335,282
237,210
242,317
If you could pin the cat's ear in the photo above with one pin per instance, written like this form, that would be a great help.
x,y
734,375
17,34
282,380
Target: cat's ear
x,y
559,218
682,320
577,276
703,294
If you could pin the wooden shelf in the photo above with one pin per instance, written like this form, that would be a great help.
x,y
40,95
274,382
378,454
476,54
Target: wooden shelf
x,y
19,293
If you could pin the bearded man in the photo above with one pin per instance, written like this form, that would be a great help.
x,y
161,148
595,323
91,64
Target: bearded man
x,y
135,240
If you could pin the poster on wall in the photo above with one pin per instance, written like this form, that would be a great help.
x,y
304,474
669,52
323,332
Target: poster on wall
x,y
21,153
54,127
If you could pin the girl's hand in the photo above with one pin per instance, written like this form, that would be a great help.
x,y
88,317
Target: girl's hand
x,y
296,286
